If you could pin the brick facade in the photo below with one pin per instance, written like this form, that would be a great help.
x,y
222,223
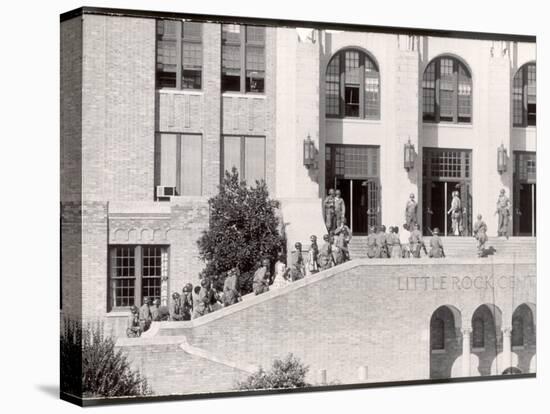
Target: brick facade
x,y
380,320
111,112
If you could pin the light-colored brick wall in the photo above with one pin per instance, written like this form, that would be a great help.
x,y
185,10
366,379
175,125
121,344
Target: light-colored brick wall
x,y
365,313
71,109
71,166
118,108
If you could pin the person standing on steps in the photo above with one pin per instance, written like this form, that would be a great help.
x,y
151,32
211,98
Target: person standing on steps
x,y
231,293
436,245
324,258
416,242
312,254
410,213
339,208
145,314
480,233
329,210
371,243
260,284
503,211
343,237
456,214
297,267
382,243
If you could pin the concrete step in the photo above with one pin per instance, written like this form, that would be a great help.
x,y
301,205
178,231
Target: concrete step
x,y
466,246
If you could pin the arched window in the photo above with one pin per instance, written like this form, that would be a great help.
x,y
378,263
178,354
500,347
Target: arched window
x,y
517,331
524,95
438,334
447,91
352,85
478,334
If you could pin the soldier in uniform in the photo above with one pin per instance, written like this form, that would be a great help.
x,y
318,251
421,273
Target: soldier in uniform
x,y
410,213
503,211
313,253
329,207
382,243
186,302
145,314
436,245
343,237
176,313
456,214
297,268
371,243
339,208
394,244
155,316
134,328
324,259
204,299
260,284
231,293
480,233
416,242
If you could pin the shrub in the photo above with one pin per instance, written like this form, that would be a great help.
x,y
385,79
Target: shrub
x,y
243,229
286,373
91,367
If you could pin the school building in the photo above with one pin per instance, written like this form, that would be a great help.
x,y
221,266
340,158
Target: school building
x,y
156,106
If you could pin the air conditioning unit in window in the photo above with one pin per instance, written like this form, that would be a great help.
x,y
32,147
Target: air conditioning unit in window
x,y
164,193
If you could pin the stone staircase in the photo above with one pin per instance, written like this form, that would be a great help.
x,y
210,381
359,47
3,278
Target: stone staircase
x,y
524,247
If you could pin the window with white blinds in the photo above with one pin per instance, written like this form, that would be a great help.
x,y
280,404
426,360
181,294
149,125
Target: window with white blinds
x,y
178,162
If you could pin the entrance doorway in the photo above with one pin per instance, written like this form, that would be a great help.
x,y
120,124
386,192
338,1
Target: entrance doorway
x,y
353,170
446,171
525,194
360,205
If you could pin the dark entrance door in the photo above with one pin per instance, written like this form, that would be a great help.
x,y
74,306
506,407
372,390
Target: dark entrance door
x,y
354,171
524,204
445,171
361,204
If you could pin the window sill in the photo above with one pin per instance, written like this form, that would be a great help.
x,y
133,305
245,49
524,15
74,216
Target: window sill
x,y
354,121
118,313
447,125
478,349
525,128
518,348
438,351
251,95
176,199
180,91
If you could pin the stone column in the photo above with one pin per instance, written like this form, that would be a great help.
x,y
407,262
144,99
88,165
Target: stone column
x,y
466,333
506,348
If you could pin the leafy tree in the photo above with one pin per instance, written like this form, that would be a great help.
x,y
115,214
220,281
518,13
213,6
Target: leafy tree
x,y
243,230
286,373
91,367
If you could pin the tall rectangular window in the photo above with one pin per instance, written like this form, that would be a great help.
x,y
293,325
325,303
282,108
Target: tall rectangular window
x,y
446,90
179,54
247,155
352,84
178,163
136,272
243,58
524,96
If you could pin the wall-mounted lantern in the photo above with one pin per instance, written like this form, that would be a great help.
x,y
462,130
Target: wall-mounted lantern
x,y
309,152
408,155
502,159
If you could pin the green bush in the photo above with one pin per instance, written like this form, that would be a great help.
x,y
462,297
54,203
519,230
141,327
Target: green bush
x,y
91,367
243,229
285,373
